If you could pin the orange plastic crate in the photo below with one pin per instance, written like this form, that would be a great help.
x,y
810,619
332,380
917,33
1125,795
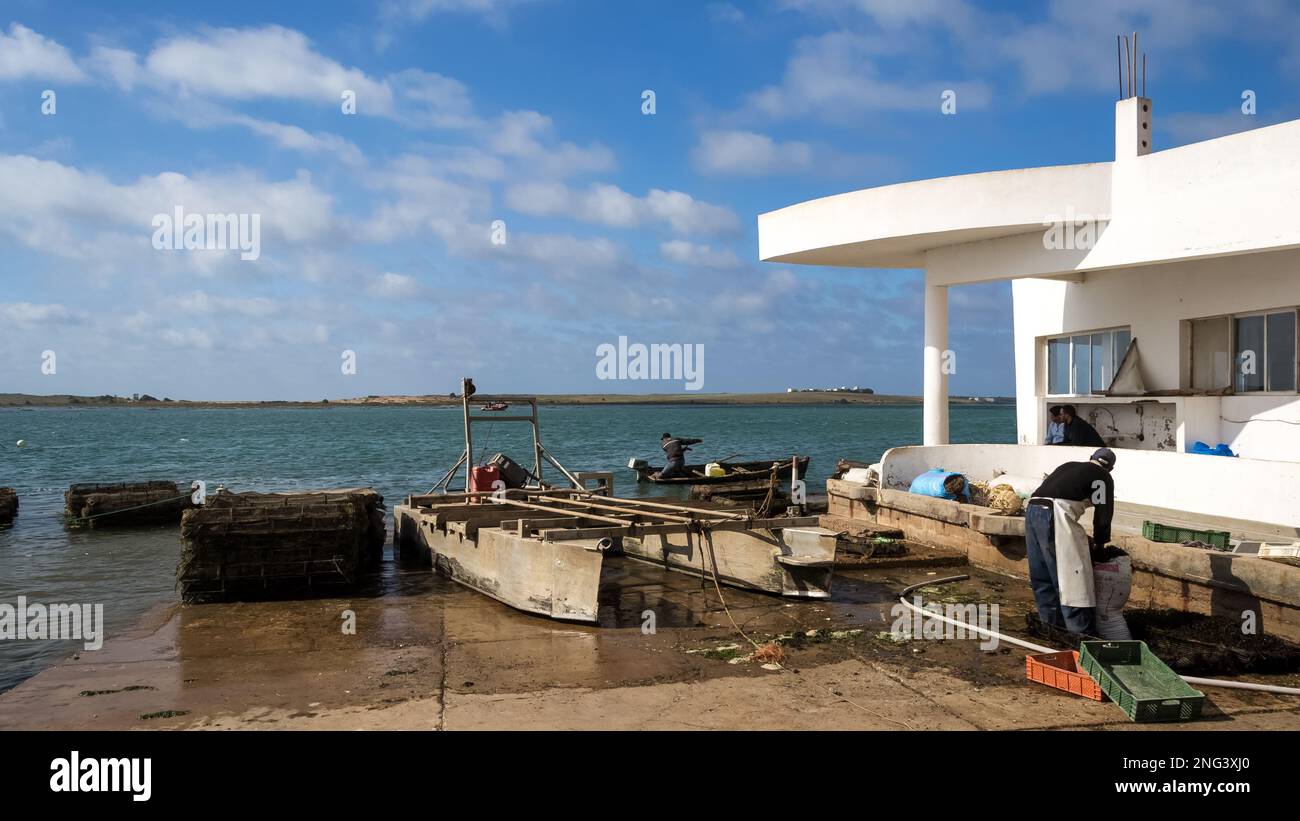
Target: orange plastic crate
x,y
1061,670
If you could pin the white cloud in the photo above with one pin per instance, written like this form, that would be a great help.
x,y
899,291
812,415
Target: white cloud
x,y
520,135
28,315
605,204
1060,49
394,286
64,211
743,153
835,77
759,309
120,65
421,201
298,139
698,256
202,303
687,215
24,53
426,99
493,10
271,62
562,255
186,338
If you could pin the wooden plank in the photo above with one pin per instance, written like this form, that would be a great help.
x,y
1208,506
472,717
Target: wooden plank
x,y
637,503
777,523
652,513
563,512
634,531
566,521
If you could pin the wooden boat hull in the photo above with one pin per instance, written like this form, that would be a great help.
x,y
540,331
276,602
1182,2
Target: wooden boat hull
x,y
797,561
551,566
757,471
559,579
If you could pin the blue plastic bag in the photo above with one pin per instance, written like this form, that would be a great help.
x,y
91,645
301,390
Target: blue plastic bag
x,y
1203,449
931,482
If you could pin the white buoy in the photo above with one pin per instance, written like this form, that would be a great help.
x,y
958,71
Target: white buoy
x,y
22,443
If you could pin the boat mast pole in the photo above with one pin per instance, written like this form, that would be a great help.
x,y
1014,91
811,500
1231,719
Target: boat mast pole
x,y
469,436
537,443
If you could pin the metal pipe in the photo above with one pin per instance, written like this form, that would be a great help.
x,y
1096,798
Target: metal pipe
x,y
1129,64
1135,63
1119,64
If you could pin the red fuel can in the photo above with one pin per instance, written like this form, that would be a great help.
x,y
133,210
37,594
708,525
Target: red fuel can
x,y
484,478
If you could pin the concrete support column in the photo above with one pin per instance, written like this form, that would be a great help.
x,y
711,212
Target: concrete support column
x,y
936,380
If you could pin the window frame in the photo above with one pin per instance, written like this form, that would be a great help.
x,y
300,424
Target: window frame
x,y
1263,355
1116,358
1263,313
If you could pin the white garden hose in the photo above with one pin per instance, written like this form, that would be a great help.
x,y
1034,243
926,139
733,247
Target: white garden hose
x,y
1037,648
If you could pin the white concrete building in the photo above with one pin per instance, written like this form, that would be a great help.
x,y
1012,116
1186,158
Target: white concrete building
x,y
1192,252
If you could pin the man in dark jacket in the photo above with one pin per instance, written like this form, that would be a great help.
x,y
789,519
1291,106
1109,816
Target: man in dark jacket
x,y
675,449
1078,432
1060,563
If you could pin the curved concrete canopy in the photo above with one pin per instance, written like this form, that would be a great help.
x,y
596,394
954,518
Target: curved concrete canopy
x,y
894,225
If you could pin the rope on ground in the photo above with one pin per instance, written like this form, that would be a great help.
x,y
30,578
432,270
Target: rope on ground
x,y
713,561
128,509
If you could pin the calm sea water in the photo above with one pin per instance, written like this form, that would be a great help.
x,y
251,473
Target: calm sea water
x,y
395,450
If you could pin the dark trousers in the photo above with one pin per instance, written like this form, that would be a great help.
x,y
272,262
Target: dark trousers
x,y
1040,538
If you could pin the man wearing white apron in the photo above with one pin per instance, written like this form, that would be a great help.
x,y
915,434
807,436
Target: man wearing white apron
x,y
1060,564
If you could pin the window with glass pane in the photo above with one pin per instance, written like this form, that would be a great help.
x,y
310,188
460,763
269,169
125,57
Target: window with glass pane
x,y
1058,366
1281,351
1122,338
1082,372
1248,362
1211,367
1103,369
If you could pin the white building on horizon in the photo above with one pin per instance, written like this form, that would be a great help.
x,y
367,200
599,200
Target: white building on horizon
x,y
1191,251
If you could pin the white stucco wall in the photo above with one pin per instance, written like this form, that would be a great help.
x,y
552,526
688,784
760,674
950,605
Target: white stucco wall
x,y
1152,300
1266,492
1196,231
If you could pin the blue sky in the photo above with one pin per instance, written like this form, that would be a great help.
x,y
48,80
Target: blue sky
x,y
376,227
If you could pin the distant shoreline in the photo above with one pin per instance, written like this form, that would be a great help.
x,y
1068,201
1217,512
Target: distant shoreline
x,y
801,398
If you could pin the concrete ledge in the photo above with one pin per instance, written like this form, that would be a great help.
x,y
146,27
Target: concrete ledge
x,y
990,523
1259,578
852,490
945,510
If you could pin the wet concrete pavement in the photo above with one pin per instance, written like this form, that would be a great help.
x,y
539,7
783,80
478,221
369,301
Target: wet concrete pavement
x,y
430,654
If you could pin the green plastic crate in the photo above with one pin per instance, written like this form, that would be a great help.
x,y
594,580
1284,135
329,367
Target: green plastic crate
x,y
1165,533
1140,683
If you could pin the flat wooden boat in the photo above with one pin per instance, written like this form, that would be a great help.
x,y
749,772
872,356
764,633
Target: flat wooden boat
x,y
541,551
756,471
